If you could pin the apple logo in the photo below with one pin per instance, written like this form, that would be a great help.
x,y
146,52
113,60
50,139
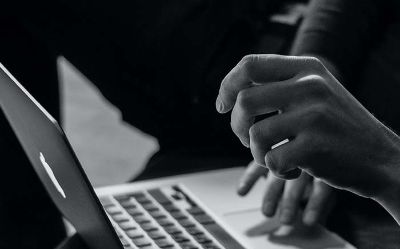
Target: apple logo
x,y
51,175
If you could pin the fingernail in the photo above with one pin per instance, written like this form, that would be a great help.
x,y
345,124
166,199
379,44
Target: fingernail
x,y
267,209
310,218
286,216
241,189
219,105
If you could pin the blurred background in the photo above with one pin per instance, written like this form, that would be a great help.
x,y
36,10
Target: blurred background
x,y
110,150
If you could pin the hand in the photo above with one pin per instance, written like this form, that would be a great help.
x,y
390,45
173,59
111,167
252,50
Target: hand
x,y
331,135
285,197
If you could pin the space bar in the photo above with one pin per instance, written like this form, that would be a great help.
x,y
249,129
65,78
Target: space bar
x,y
222,236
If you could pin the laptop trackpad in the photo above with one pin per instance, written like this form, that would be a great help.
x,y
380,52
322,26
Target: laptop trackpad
x,y
261,232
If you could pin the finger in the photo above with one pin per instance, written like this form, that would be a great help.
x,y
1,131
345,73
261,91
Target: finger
x,y
273,193
259,100
258,69
284,160
266,133
292,195
318,203
283,96
250,177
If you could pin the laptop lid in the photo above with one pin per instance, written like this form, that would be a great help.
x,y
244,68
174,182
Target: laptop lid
x,y
56,164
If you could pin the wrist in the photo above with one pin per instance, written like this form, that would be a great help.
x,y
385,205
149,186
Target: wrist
x,y
391,203
389,196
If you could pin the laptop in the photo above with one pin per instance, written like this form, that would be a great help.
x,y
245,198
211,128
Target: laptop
x,y
191,211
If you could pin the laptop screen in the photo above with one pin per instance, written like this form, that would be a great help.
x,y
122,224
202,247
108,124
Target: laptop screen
x,y
56,164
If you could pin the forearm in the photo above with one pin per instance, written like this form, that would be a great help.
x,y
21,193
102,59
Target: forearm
x,y
340,32
391,200
389,197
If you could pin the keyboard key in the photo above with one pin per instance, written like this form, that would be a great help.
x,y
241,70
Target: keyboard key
x,y
141,219
172,230
159,196
127,225
120,198
134,212
171,208
156,235
149,227
178,215
164,243
194,230
137,195
141,242
202,238
157,214
128,204
211,246
119,218
150,207
188,245
180,238
204,219
113,210
186,223
133,234
165,222
195,211
161,218
143,199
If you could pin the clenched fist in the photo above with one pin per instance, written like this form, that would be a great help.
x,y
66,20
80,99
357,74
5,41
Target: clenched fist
x,y
319,126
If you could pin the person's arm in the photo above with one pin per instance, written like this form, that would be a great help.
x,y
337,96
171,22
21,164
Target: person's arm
x,y
339,33
332,30
331,135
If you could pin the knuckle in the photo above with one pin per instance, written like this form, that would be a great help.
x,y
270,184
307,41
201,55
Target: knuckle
x,y
314,63
317,114
302,139
235,127
272,163
317,86
255,134
244,101
314,146
247,63
249,59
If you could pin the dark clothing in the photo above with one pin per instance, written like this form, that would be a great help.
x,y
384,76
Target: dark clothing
x,y
361,38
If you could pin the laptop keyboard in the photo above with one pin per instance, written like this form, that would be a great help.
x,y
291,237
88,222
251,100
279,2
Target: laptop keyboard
x,y
153,219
